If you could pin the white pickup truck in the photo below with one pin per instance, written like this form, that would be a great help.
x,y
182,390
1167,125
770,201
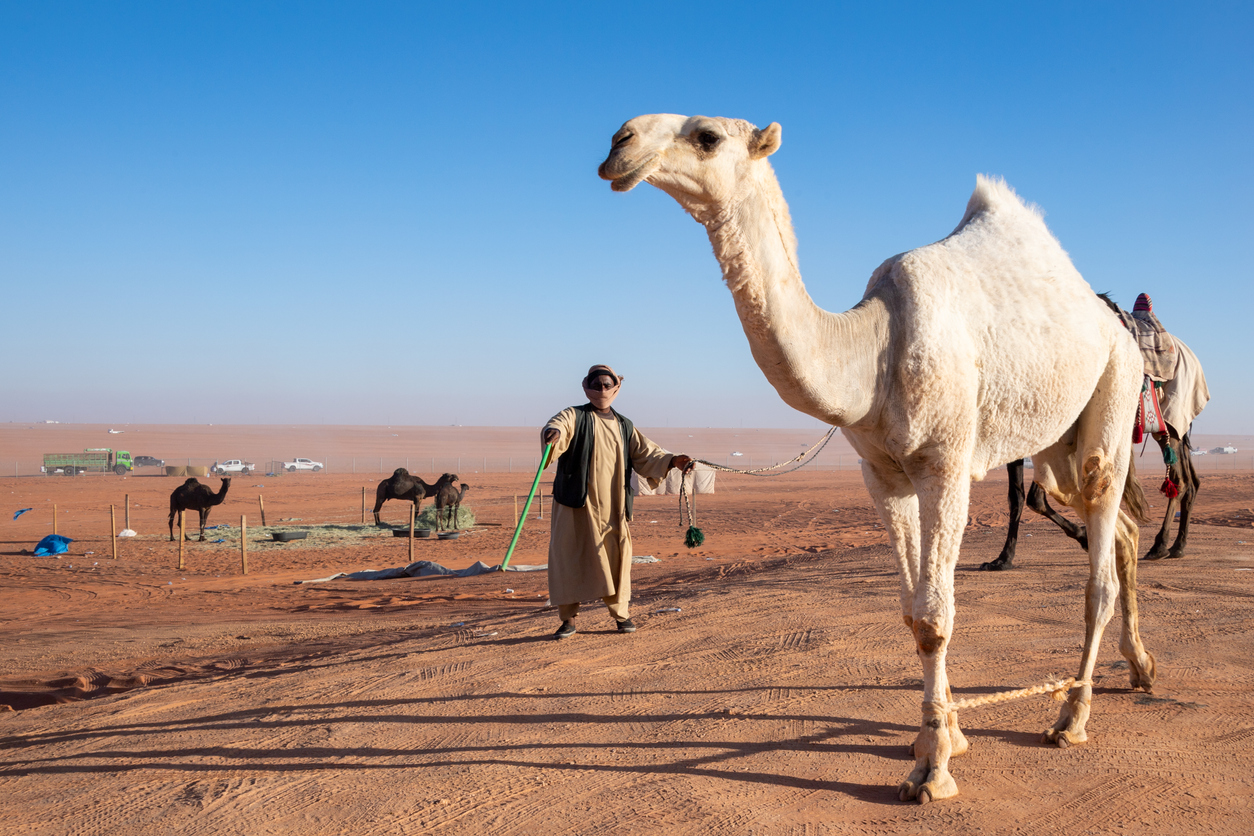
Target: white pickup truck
x,y
302,464
233,466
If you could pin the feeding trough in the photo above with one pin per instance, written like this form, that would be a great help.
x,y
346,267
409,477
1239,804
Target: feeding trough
x,y
421,533
284,536
450,535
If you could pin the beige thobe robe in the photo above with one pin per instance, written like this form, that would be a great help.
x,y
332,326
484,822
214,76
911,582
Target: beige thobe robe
x,y
590,547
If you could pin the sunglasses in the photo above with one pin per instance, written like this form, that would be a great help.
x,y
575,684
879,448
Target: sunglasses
x,y
599,386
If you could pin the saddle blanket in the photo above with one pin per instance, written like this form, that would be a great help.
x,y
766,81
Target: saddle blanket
x,y
1158,349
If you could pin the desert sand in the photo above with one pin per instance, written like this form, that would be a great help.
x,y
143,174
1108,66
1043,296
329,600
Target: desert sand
x,y
770,689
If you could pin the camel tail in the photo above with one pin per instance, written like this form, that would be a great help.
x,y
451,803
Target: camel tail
x,y
1133,497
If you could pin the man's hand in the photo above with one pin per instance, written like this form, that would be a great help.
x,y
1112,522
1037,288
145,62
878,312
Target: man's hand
x,y
551,435
684,463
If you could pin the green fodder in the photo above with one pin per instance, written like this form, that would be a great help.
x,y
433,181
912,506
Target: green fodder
x,y
427,519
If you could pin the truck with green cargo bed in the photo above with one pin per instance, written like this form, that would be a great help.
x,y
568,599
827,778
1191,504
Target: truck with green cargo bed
x,y
91,460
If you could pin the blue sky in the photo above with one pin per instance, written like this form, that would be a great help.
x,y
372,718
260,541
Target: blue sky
x,y
388,213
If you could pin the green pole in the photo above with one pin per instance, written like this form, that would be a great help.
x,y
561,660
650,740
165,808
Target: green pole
x,y
544,462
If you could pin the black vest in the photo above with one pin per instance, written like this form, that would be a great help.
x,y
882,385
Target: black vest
x,y
570,484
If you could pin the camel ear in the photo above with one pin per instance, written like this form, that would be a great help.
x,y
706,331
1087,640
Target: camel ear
x,y
766,141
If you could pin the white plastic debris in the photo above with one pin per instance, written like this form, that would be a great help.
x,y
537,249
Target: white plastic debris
x,y
126,532
669,609
509,592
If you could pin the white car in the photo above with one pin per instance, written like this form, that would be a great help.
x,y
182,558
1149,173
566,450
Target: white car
x,y
233,466
302,464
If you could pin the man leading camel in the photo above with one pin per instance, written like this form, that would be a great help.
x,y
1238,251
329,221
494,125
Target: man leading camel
x,y
590,543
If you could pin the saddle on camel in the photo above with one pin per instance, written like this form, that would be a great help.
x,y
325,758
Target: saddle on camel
x,y
1158,350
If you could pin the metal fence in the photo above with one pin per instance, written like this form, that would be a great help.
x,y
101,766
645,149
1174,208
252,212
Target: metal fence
x,y
464,465
433,465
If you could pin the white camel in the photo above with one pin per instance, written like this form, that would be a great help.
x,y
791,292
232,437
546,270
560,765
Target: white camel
x,y
982,348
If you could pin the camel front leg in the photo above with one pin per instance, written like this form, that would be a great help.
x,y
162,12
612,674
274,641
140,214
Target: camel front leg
x,y
942,510
1039,502
1005,560
204,518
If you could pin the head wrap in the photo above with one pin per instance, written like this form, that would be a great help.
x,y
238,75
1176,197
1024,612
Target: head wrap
x,y
1143,303
598,370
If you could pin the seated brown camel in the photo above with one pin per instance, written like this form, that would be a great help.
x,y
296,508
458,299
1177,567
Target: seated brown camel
x,y
403,485
191,495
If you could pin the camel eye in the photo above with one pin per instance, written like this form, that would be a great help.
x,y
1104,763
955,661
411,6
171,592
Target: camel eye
x,y
622,140
709,140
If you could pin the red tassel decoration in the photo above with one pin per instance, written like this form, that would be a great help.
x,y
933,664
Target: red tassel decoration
x,y
1169,488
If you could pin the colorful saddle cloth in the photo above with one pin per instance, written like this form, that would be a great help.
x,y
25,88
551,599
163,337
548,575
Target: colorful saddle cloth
x,y
1149,415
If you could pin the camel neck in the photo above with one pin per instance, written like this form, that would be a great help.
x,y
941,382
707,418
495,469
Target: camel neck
x,y
823,364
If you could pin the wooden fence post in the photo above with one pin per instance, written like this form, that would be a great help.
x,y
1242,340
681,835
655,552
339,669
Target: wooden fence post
x,y
243,544
515,510
412,515
363,504
261,503
182,536
54,518
128,510
113,531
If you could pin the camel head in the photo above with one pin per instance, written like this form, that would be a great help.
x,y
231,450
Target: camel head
x,y
702,161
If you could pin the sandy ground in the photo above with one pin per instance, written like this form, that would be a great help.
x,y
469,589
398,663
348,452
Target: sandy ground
x,y
771,687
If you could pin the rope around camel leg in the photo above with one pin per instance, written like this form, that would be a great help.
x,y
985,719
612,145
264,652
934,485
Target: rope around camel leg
x,y
1057,689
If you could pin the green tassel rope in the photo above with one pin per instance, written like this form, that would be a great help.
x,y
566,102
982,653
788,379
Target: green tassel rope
x,y
1169,455
694,536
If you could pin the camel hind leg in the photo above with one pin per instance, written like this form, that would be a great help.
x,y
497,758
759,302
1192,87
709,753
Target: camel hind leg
x,y
1090,469
1141,665
1190,483
380,497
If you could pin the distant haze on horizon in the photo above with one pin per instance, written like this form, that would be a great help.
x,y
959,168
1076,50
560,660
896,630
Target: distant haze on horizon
x,y
390,214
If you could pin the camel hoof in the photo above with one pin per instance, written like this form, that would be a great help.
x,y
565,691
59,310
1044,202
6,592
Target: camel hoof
x,y
997,565
940,785
906,791
910,750
1155,554
1063,739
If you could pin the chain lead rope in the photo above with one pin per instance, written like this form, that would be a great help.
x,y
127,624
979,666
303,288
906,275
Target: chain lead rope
x,y
763,471
687,501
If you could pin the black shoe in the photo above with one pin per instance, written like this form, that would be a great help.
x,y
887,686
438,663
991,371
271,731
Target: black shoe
x,y
626,626
566,630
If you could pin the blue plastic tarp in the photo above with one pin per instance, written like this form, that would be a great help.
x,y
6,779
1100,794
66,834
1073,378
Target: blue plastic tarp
x,y
52,544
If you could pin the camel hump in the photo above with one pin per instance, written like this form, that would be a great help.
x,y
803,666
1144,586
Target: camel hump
x,y
400,471
994,194
191,481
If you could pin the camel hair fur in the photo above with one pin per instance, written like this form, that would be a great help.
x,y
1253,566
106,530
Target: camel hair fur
x,y
1184,396
962,355
403,485
193,496
449,500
